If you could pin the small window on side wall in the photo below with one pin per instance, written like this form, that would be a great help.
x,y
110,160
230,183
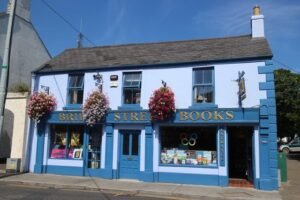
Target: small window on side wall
x,y
132,88
75,89
203,86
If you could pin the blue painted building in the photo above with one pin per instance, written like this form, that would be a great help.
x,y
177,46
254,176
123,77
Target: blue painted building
x,y
223,130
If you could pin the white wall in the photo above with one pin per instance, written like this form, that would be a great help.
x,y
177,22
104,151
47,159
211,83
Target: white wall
x,y
58,87
179,79
226,87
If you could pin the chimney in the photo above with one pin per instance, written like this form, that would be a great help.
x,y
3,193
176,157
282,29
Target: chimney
x,y
257,23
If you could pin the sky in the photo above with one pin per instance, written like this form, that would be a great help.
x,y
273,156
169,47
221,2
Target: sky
x,y
112,22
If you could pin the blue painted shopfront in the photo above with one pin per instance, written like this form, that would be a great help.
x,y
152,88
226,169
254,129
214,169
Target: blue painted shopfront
x,y
138,152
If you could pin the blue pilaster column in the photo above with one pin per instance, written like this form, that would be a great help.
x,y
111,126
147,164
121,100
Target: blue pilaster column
x,y
148,174
109,150
268,132
38,167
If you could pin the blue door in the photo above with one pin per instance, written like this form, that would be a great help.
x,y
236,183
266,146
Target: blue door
x,y
129,154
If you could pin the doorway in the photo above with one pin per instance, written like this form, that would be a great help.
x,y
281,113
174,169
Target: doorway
x,y
129,154
240,155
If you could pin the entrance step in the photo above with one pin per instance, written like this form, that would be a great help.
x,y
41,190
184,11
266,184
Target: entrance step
x,y
240,183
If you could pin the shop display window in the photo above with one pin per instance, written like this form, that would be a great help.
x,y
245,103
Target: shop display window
x,y
66,141
188,146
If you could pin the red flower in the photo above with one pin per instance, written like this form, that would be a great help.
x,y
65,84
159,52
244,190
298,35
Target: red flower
x,y
162,104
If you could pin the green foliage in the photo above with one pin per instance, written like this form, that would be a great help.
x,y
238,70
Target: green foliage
x,y
20,87
287,87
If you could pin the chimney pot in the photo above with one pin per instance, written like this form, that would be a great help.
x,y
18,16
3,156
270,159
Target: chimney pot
x,y
256,10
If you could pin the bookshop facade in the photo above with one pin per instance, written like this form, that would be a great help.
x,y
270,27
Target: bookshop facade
x,y
193,147
223,125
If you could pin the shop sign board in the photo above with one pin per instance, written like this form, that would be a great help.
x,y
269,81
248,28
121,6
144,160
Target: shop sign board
x,y
189,116
234,115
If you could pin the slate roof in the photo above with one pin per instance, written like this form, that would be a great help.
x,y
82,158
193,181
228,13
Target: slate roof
x,y
190,51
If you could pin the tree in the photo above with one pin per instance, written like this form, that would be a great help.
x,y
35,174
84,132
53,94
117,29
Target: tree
x,y
287,88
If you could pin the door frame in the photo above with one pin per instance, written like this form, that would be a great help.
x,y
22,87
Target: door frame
x,y
120,149
92,171
251,141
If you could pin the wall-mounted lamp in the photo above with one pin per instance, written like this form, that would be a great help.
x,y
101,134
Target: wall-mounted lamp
x,y
99,81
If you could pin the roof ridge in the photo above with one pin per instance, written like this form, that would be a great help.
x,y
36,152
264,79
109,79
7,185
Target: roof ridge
x,y
153,43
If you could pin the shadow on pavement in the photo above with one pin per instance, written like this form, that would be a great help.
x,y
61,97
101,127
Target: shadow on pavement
x,y
292,156
7,174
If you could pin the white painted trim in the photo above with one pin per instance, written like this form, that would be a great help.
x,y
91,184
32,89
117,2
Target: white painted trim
x,y
46,142
115,148
142,150
33,148
189,170
65,163
103,148
155,149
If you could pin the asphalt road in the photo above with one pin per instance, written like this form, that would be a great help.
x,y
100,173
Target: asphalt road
x,y
291,189
15,191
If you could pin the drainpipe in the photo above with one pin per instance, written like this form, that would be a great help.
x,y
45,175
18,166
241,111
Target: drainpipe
x,y
5,64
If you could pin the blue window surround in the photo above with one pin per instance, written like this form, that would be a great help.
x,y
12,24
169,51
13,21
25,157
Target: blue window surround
x,y
203,105
190,166
139,86
70,106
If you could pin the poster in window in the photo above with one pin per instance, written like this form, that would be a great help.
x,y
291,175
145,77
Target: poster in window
x,y
77,153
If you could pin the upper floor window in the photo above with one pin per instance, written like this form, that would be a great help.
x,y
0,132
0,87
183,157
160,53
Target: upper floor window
x,y
132,88
75,89
203,86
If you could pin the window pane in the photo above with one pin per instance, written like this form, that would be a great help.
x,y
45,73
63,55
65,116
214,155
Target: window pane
x,y
207,76
203,94
125,144
135,144
58,141
198,77
76,81
75,141
132,96
75,96
189,145
203,76
132,80
95,138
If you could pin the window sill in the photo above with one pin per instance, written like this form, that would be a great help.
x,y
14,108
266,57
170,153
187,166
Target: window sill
x,y
130,107
73,107
203,105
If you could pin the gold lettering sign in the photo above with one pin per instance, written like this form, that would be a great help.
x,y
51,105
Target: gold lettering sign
x,y
131,116
70,117
206,115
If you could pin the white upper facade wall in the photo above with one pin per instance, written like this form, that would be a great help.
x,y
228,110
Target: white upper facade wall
x,y
179,79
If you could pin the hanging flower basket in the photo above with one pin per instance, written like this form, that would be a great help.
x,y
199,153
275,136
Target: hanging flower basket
x,y
162,104
39,105
95,107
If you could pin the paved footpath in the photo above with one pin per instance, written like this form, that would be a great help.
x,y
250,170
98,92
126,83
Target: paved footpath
x,y
166,190
291,189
